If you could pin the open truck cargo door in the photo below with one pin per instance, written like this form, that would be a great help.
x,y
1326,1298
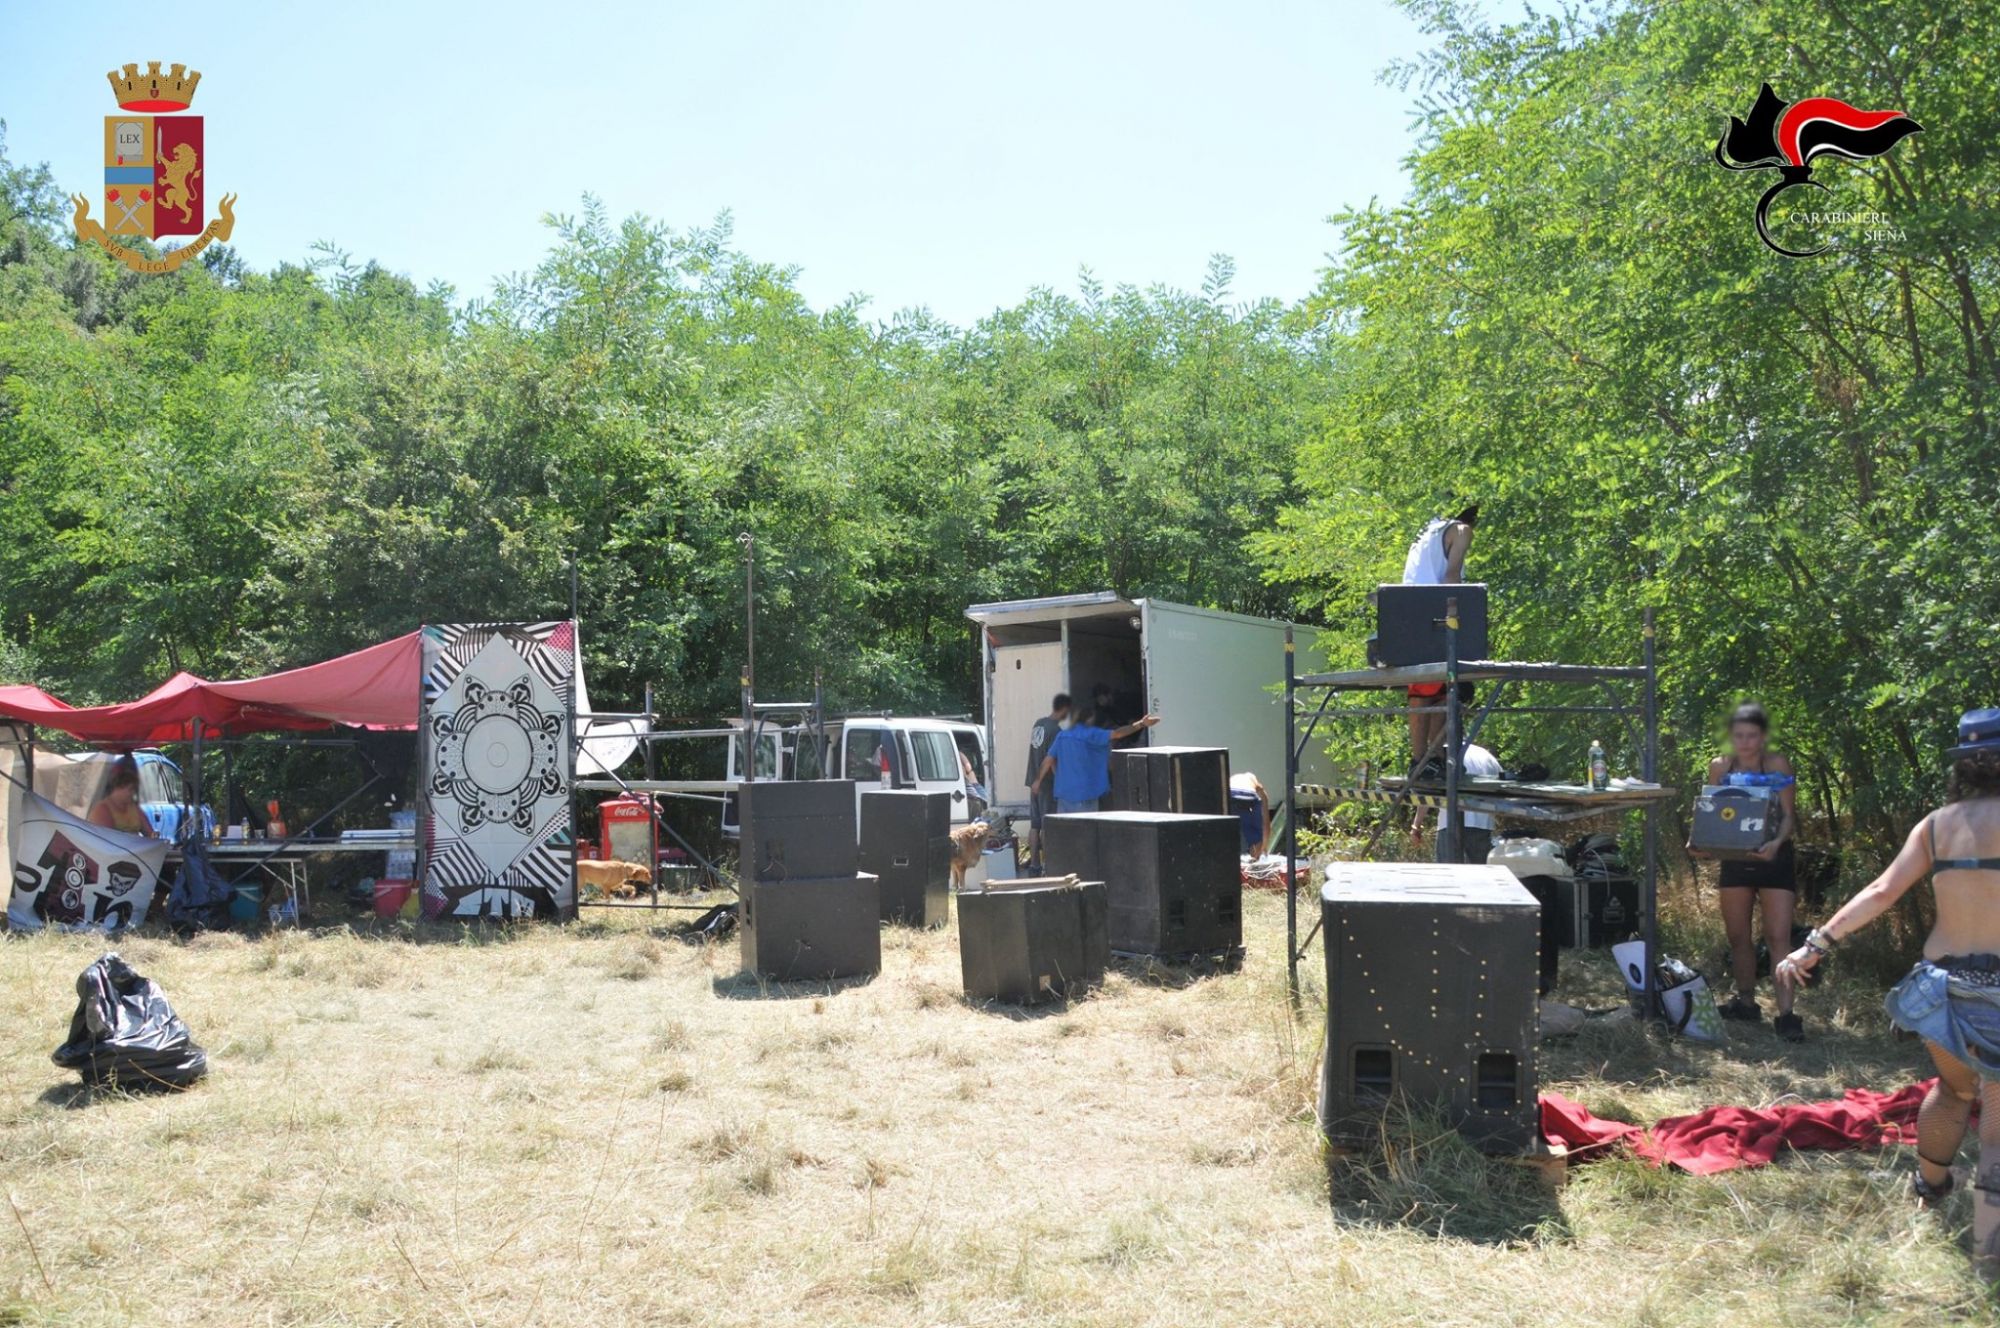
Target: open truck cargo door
x,y
1215,679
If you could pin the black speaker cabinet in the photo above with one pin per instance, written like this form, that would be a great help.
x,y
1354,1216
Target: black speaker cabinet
x,y
1173,883
1190,780
1028,941
1430,982
1409,624
797,828
906,841
809,928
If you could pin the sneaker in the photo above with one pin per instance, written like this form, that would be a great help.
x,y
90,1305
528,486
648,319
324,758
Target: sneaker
x,y
1738,1008
1790,1027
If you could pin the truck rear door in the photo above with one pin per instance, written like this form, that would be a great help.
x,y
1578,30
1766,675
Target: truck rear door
x,y
1025,679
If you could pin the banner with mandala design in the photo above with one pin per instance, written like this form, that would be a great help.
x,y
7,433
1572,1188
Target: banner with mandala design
x,y
498,710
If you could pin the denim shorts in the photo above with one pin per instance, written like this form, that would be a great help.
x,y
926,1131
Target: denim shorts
x,y
1962,1017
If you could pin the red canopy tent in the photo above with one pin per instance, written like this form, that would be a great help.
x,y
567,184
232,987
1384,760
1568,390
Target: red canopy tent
x,y
375,688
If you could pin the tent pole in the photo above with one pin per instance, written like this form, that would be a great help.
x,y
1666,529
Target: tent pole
x,y
1291,821
1651,774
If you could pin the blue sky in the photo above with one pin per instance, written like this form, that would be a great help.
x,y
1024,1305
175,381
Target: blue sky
x,y
944,155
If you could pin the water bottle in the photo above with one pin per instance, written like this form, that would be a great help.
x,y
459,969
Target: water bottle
x,y
1600,771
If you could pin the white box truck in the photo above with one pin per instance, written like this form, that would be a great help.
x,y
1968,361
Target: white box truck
x,y
1215,679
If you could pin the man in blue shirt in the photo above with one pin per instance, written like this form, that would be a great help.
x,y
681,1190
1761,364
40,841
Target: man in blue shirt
x,y
1080,761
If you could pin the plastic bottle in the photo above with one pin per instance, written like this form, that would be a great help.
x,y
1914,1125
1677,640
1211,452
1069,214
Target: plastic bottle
x,y
882,759
1600,770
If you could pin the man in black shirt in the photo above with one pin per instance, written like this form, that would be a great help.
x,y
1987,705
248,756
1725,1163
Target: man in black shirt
x,y
1040,738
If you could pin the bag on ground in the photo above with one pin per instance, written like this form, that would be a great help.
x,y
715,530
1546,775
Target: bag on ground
x,y
1685,1000
124,1034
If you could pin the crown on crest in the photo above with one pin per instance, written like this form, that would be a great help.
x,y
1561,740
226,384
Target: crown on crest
x,y
152,90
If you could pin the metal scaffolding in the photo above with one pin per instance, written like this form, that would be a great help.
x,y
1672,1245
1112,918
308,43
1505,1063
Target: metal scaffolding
x,y
1313,699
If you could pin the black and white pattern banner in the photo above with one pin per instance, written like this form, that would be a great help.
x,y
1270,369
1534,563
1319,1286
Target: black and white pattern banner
x,y
499,709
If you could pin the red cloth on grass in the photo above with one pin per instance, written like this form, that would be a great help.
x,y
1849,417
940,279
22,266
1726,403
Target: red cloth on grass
x,y
1722,1138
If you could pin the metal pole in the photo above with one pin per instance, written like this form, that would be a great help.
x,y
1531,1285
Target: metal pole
x,y
1291,820
194,794
749,543
1450,831
1650,770
819,725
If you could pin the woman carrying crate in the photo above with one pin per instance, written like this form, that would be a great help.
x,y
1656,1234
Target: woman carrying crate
x,y
1767,879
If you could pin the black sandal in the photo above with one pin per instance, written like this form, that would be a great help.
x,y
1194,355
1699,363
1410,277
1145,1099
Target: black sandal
x,y
1931,1195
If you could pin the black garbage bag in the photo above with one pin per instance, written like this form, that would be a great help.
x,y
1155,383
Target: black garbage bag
x,y
125,1035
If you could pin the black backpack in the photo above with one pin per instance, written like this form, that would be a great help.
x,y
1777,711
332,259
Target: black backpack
x,y
1597,855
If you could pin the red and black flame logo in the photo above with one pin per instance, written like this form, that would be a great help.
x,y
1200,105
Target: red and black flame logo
x,y
1786,138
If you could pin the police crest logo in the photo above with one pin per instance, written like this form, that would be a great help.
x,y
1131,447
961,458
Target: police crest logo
x,y
155,172
1786,137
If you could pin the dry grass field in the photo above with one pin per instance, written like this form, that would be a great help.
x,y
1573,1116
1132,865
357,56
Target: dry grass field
x,y
602,1124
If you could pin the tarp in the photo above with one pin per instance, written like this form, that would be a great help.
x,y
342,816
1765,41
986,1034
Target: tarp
x,y
1724,1138
372,688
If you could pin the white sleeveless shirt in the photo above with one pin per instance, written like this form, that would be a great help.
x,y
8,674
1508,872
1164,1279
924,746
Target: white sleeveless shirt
x,y
1425,565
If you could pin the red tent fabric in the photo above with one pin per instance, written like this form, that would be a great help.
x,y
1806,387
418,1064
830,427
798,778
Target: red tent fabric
x,y
372,688
1724,1138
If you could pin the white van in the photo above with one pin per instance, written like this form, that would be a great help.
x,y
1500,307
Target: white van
x,y
932,755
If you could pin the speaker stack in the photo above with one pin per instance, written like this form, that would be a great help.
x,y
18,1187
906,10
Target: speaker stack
x,y
1029,941
1189,780
1173,883
1430,982
906,844
805,911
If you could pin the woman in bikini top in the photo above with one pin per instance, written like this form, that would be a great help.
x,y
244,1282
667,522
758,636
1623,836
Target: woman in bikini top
x,y
1951,999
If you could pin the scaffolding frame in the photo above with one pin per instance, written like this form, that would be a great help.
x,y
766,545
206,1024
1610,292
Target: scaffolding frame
x,y
1614,683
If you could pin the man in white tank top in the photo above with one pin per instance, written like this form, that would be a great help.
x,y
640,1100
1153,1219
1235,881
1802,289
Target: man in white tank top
x,y
1436,558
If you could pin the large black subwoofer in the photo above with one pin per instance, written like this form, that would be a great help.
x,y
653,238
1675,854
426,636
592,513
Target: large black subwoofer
x,y
811,928
1190,780
1033,940
1430,980
906,842
1173,883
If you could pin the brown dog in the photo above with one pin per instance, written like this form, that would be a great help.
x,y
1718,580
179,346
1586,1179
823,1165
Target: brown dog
x,y
610,878
967,843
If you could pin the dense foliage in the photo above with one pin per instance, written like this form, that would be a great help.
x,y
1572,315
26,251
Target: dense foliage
x,y
1568,318
1571,318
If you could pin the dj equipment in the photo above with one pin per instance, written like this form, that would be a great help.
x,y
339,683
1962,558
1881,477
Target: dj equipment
x,y
1409,624
1191,780
1028,941
1174,883
796,828
1732,822
906,841
1430,980
1595,911
809,928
